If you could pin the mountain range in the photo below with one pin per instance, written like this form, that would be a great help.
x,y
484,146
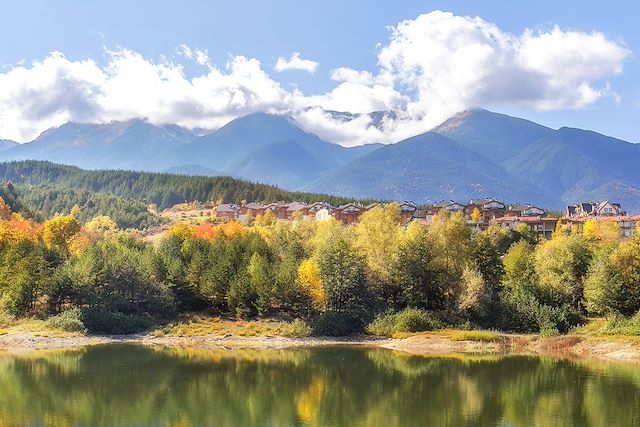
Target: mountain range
x,y
476,153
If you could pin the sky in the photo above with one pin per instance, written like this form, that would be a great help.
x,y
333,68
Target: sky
x,y
201,64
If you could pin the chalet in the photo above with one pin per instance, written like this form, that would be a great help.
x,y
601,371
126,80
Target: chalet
x,y
348,214
444,206
296,208
544,226
524,210
408,210
227,210
279,210
593,209
490,209
253,208
319,211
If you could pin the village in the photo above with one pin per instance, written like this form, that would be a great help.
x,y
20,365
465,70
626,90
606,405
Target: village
x,y
479,214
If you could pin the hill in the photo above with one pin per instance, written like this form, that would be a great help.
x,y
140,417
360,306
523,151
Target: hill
x,y
162,189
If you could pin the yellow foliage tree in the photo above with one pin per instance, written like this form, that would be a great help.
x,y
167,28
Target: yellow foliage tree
x,y
309,279
102,224
266,219
182,230
605,231
232,228
59,231
476,215
377,235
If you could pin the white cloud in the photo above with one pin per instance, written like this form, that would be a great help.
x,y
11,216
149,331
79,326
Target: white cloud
x,y
431,67
296,63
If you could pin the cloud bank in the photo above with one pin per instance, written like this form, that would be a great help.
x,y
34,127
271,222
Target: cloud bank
x,y
430,68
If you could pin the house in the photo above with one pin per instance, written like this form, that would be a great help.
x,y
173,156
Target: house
x,y
348,213
252,208
408,210
444,206
319,210
296,208
490,209
524,210
593,209
544,226
227,210
279,210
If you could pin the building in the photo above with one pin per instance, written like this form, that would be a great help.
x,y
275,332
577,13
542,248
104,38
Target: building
x,y
252,208
315,208
408,210
227,211
296,208
524,210
593,209
348,213
279,210
544,226
490,209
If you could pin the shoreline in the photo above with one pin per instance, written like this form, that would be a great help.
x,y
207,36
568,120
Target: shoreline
x,y
611,348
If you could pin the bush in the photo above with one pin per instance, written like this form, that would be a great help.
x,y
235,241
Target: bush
x,y
407,320
116,323
69,321
335,324
298,329
620,325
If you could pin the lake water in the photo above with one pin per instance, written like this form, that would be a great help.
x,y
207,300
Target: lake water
x,y
129,385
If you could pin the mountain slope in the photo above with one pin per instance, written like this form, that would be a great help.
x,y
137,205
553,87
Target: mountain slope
x,y
5,144
581,165
117,145
266,148
427,168
494,134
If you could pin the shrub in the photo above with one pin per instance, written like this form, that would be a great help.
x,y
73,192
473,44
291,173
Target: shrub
x,y
620,325
298,329
407,320
335,324
116,323
69,321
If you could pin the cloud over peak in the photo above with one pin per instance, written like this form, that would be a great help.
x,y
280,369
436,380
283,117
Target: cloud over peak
x,y
430,68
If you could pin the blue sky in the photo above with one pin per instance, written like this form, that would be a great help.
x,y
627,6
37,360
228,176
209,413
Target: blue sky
x,y
333,34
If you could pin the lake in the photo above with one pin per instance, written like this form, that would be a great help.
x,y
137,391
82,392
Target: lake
x,y
130,385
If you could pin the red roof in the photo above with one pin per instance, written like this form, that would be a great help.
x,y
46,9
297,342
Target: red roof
x,y
526,219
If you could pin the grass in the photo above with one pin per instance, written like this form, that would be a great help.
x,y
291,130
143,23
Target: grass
x,y
199,325
455,335
478,336
610,326
38,328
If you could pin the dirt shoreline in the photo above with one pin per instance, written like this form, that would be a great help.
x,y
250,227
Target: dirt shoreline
x,y
608,348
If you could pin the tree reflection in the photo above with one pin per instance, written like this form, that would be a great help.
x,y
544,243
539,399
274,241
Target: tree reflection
x,y
341,386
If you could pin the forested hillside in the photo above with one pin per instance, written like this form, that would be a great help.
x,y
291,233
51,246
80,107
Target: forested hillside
x,y
44,201
164,190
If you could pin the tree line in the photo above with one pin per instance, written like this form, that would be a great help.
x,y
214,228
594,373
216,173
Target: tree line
x,y
162,189
45,201
375,275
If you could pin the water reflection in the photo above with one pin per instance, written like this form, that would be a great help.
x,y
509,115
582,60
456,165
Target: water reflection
x,y
135,386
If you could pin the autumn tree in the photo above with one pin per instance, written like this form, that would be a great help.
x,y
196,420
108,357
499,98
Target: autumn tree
x,y
59,231
377,240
